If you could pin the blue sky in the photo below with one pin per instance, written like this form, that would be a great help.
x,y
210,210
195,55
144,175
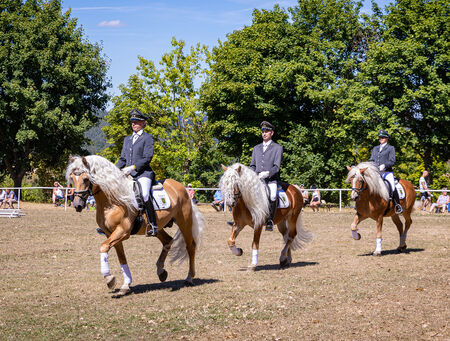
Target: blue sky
x,y
127,29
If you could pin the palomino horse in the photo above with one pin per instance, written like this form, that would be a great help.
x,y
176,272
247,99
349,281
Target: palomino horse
x,y
372,200
117,210
246,194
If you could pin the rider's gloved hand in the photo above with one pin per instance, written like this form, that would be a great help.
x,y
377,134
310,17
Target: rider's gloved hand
x,y
382,167
128,170
263,175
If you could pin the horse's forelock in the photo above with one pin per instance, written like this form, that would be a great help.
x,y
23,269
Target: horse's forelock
x,y
371,176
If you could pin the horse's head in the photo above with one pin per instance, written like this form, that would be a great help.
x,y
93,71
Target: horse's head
x,y
82,185
229,185
356,176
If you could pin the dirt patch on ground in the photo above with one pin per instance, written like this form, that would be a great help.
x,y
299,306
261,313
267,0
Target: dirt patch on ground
x,y
51,286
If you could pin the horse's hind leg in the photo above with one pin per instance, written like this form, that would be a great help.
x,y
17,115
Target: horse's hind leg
x,y
288,236
166,241
408,222
396,219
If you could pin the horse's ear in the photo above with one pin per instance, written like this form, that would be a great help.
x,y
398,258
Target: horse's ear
x,y
85,162
238,169
349,168
71,158
224,167
363,170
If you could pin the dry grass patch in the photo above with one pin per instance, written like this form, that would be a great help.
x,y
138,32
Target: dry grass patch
x,y
51,286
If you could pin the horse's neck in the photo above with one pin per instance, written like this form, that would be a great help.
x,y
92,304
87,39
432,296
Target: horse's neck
x,y
241,214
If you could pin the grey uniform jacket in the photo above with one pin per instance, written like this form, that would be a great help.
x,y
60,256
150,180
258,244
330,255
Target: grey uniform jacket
x,y
270,160
139,154
386,157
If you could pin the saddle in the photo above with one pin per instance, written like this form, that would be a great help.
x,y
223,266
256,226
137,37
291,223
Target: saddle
x,y
398,187
161,201
283,201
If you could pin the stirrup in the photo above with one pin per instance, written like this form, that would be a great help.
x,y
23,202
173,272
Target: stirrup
x,y
269,225
151,230
398,209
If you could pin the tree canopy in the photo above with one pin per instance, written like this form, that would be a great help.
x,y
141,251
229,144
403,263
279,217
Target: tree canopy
x,y
52,82
169,96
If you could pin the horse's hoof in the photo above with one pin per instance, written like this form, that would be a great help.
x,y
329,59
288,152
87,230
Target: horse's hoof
x,y
377,253
163,276
124,290
240,252
188,283
251,268
356,236
110,281
284,264
401,249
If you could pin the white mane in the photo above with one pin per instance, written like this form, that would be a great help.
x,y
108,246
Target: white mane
x,y
371,177
252,189
117,187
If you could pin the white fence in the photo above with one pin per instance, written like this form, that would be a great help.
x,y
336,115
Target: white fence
x,y
340,190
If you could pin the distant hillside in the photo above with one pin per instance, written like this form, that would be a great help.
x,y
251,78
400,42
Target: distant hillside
x,y
97,136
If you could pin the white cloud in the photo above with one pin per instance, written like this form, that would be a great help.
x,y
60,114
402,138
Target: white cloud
x,y
111,23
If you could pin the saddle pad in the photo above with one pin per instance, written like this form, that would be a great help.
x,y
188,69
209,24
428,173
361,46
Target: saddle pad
x,y
400,191
283,201
161,200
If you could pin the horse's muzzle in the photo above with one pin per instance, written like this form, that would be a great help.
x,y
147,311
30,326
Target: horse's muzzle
x,y
79,204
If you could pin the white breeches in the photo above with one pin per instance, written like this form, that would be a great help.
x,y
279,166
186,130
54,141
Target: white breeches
x,y
146,184
272,190
389,176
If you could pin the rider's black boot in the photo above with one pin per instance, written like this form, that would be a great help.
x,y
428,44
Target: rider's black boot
x,y
397,207
272,208
152,226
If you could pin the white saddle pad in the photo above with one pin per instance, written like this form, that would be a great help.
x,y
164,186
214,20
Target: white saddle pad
x,y
161,200
400,191
283,201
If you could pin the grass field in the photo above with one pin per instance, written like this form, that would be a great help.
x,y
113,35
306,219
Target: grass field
x,y
51,286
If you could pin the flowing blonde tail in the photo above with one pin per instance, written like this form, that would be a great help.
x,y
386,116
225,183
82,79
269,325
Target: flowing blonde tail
x,y
178,252
303,236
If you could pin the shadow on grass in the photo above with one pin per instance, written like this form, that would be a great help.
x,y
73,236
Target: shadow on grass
x,y
392,252
172,285
277,266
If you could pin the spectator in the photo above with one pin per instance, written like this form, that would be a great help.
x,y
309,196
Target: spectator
x,y
441,202
57,194
315,199
70,194
425,196
305,194
191,193
90,202
2,196
217,204
10,198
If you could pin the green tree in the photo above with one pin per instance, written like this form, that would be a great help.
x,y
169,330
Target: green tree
x,y
292,68
52,81
170,97
403,85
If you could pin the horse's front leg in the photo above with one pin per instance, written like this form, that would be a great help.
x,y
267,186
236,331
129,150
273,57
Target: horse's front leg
x,y
358,218
255,248
127,279
116,237
377,251
232,240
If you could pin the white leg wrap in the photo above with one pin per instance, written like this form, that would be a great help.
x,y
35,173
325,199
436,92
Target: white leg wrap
x,y
104,265
378,249
234,250
126,274
254,257
355,234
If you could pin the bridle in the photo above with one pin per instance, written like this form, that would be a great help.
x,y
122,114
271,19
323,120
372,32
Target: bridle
x,y
362,188
84,194
237,195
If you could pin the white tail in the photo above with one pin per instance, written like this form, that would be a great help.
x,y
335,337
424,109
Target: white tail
x,y
178,252
303,236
